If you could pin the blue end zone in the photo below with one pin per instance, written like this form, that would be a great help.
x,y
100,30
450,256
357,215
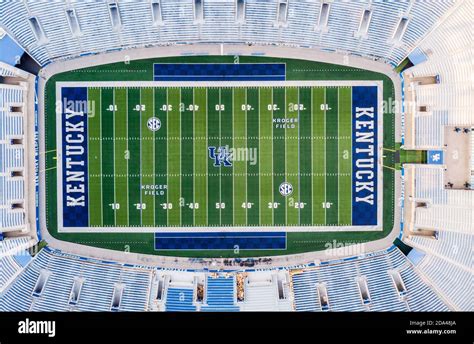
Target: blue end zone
x,y
74,157
221,241
218,71
364,155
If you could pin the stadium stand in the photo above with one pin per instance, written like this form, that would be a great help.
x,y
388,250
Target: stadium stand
x,y
63,274
266,291
220,294
440,220
12,199
335,286
180,299
453,281
433,205
12,258
455,247
58,31
450,101
58,281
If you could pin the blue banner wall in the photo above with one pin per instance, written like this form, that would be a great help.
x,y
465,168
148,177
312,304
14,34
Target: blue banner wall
x,y
74,157
221,241
364,155
218,71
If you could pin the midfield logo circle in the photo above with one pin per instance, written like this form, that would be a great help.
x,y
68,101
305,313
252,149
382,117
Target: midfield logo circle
x,y
154,124
285,189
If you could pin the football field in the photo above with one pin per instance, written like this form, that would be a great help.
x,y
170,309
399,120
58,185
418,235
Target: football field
x,y
145,156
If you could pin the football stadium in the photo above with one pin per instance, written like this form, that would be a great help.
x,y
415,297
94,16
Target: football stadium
x,y
236,155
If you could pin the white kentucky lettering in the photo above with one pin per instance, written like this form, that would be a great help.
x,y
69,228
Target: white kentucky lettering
x,y
367,199
75,176
74,150
78,127
75,202
360,111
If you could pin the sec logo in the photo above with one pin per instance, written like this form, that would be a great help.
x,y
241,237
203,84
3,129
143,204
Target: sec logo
x,y
154,124
286,189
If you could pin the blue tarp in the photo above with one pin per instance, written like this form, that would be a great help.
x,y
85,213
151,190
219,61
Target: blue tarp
x,y
415,256
10,52
417,56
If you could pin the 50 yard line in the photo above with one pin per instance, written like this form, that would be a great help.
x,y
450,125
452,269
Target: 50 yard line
x,y
233,177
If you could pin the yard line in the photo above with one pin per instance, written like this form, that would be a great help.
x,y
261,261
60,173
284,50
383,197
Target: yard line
x,y
248,155
154,172
266,193
115,180
292,156
220,172
167,160
325,158
128,151
101,157
273,197
141,154
108,186
239,166
299,158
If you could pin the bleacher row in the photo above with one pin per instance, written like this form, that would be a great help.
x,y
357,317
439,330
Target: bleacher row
x,y
453,281
12,195
57,281
450,210
449,214
51,31
12,258
449,51
335,287
456,247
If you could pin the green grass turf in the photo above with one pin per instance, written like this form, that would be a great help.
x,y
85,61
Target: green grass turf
x,y
297,242
127,110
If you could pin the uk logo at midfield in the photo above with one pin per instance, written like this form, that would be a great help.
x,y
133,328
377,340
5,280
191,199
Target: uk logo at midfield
x,y
221,156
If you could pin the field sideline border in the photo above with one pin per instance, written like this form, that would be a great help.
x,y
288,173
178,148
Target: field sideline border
x,y
316,61
294,83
